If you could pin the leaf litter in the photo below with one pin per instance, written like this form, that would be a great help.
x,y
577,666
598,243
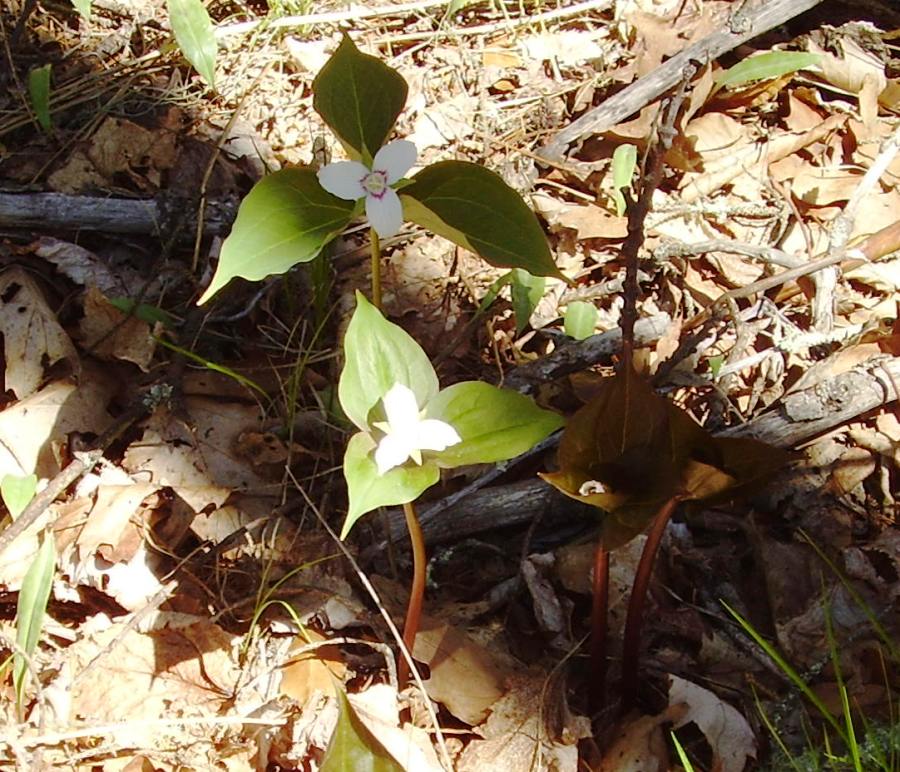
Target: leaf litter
x,y
163,647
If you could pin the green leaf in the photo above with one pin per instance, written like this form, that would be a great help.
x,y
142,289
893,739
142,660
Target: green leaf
x,y
285,219
581,319
33,597
359,97
353,747
367,490
624,162
772,64
39,93
474,208
494,424
379,354
628,451
193,30
527,291
84,8
456,6
17,492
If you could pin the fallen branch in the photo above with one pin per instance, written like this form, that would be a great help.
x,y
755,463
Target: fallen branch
x,y
60,211
582,354
747,22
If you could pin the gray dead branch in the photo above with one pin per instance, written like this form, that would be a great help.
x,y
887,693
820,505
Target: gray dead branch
x,y
60,211
749,20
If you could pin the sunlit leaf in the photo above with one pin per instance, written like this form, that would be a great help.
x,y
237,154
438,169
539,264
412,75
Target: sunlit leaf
x,y
17,492
367,490
474,208
84,8
527,291
455,6
39,93
494,424
32,605
353,747
359,97
194,33
624,162
284,220
377,355
580,319
771,64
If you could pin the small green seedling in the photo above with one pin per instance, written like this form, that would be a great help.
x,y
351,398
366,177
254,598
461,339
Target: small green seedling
x,y
580,320
17,492
195,36
30,610
39,93
766,66
624,164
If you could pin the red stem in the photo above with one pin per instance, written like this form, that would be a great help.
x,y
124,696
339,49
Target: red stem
x,y
417,591
634,620
599,627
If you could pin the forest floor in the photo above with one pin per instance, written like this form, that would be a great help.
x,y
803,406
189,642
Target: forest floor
x,y
203,614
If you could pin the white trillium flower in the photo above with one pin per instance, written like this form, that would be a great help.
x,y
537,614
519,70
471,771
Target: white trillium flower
x,y
352,180
407,433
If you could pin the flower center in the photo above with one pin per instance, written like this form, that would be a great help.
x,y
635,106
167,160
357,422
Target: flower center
x,y
375,183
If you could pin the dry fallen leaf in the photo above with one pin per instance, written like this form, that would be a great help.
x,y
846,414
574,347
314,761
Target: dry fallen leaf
x,y
110,334
201,463
32,337
465,677
641,745
33,430
530,727
727,731
316,670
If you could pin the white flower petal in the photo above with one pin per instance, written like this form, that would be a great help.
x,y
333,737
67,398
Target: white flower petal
x,y
343,179
436,435
391,451
395,159
400,407
385,213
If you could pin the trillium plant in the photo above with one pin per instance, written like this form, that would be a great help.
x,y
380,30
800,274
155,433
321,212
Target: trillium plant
x,y
291,215
408,428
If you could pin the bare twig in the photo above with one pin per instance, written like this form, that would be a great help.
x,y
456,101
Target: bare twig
x,y
638,210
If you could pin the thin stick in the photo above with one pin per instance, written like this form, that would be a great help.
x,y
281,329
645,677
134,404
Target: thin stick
x,y
416,592
638,210
631,640
376,269
599,609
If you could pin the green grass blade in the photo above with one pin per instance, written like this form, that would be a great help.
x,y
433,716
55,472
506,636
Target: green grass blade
x,y
682,756
767,722
886,638
787,669
32,605
243,380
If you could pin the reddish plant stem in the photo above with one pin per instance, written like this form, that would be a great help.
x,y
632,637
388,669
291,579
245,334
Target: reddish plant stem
x,y
599,626
631,640
416,592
